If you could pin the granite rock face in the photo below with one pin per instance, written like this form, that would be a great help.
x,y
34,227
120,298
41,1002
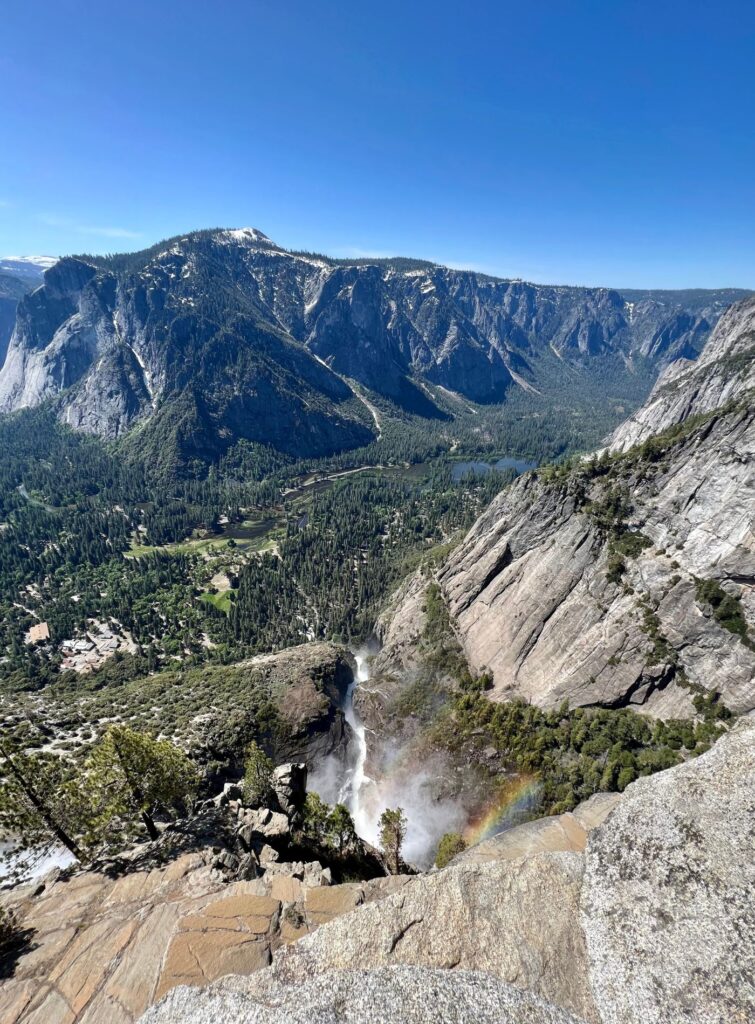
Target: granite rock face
x,y
104,948
490,917
12,290
652,921
724,371
178,344
558,833
667,901
546,594
217,336
414,995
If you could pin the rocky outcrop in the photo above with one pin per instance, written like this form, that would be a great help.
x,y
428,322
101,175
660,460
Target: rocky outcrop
x,y
590,585
652,923
104,945
724,372
305,685
667,907
485,917
218,336
290,788
413,995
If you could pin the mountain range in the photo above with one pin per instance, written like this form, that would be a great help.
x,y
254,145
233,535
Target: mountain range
x,y
221,335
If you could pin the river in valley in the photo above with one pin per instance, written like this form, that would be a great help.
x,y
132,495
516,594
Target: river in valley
x,y
461,469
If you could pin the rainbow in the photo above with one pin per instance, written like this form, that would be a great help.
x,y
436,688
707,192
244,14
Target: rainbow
x,y
516,797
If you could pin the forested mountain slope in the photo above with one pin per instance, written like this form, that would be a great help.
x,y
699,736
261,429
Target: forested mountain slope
x,y
220,336
628,578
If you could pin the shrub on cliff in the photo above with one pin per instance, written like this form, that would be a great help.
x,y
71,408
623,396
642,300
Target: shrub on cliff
x,y
451,844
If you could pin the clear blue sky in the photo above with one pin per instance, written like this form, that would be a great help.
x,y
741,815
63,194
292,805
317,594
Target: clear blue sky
x,y
596,142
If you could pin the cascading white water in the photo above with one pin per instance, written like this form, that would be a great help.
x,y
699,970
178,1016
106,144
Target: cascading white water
x,y
355,782
402,783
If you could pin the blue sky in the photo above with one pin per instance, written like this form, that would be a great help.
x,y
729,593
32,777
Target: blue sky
x,y
571,142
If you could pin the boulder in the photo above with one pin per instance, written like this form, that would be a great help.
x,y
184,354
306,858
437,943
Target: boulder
x,y
516,920
268,856
315,874
668,906
412,995
264,825
249,866
290,788
289,869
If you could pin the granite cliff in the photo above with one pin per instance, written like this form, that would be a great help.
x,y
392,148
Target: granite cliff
x,y
218,336
628,578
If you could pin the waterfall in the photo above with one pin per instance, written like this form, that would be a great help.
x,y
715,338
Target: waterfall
x,y
405,781
355,782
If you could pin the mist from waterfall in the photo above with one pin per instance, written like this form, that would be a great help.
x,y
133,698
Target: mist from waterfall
x,y
409,786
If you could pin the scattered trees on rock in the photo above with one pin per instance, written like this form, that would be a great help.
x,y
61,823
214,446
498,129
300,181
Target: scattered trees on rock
x,y
128,777
392,827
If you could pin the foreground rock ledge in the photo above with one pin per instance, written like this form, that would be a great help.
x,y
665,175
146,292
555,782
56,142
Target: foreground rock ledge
x,y
412,995
653,924
668,900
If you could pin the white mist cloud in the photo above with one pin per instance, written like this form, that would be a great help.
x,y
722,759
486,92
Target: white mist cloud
x,y
412,788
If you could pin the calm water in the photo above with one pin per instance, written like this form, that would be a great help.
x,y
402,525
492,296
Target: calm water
x,y
461,469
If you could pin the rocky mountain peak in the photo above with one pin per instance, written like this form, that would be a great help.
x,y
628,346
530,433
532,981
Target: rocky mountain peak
x,y
245,236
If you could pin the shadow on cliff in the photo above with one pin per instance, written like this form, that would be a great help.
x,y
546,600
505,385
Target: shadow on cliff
x,y
203,831
15,942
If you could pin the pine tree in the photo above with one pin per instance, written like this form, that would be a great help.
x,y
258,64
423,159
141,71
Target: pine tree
x,y
40,801
258,775
392,826
316,817
130,776
341,828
